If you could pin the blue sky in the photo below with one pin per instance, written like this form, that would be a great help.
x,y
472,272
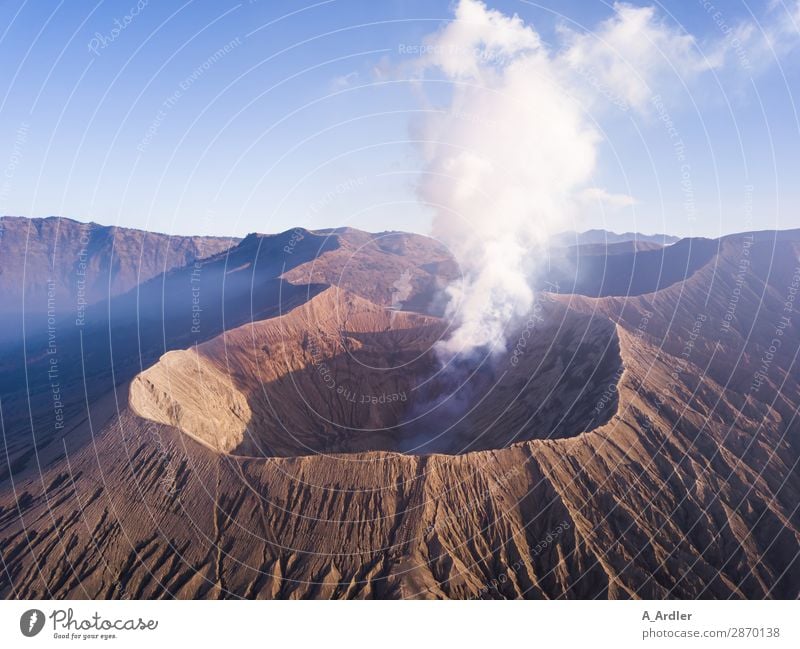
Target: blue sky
x,y
227,118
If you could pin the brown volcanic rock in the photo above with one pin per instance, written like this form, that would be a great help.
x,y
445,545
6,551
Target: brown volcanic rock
x,y
110,260
689,487
389,268
187,391
298,383
340,374
244,284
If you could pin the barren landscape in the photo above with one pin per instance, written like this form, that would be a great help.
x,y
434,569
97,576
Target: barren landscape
x,y
410,300
637,439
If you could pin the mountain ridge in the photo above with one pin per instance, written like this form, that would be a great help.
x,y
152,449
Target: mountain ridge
x,y
687,486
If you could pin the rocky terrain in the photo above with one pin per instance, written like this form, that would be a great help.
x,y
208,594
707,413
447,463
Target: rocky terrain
x,y
638,439
94,260
340,374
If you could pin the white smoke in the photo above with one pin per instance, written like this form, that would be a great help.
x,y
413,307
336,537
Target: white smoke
x,y
502,165
511,155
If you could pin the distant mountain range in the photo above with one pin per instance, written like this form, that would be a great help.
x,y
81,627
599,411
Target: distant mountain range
x,y
87,260
571,238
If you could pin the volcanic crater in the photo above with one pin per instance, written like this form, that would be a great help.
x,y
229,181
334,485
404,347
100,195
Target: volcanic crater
x,y
686,470
341,374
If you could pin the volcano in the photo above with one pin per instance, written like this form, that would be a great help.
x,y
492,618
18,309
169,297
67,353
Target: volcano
x,y
272,420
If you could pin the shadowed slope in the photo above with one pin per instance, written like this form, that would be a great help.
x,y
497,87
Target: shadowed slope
x,y
59,267
689,489
185,306
340,374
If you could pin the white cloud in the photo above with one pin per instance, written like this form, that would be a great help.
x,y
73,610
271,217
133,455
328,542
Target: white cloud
x,y
633,51
345,80
754,45
478,36
606,199
782,29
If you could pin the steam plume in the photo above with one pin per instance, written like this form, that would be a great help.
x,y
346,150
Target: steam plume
x,y
503,164
509,158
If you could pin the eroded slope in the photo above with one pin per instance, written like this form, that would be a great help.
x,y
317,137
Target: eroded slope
x,y
690,489
340,374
